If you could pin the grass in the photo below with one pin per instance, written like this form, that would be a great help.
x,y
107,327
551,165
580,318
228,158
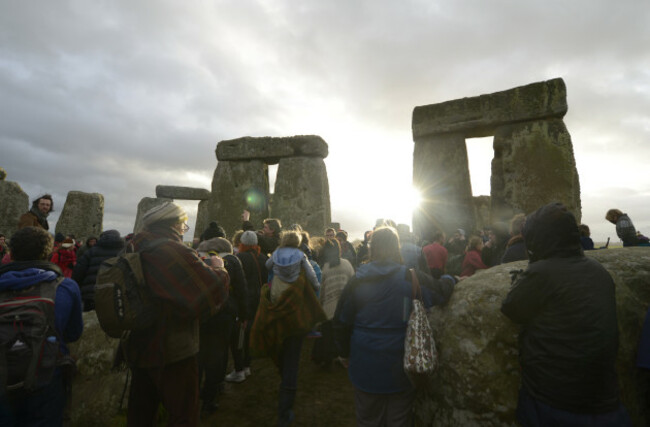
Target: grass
x,y
324,398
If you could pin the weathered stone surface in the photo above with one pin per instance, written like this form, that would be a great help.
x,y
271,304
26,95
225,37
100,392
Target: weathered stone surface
x,y
302,194
270,149
145,204
480,115
441,174
13,203
182,193
96,390
533,165
478,378
82,215
202,215
237,186
482,211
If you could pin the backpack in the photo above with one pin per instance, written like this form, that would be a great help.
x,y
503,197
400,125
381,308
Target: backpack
x,y
123,301
29,345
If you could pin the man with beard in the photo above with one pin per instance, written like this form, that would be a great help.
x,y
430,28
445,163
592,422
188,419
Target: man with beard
x,y
37,215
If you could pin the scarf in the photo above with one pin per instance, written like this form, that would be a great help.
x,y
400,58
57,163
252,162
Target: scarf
x,y
40,217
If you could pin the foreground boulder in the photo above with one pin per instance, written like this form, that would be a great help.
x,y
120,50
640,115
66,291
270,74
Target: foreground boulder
x,y
478,379
97,389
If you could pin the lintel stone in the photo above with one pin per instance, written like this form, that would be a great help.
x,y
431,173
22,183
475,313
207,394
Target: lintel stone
x,y
271,149
182,193
478,116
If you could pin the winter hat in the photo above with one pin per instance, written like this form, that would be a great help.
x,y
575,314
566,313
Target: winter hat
x,y
110,235
249,238
216,244
164,212
59,237
213,230
67,243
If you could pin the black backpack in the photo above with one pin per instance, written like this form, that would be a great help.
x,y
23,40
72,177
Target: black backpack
x,y
29,344
123,301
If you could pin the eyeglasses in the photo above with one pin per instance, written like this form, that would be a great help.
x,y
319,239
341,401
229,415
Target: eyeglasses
x,y
185,228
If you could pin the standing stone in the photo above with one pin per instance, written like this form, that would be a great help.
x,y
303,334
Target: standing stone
x,y
441,174
82,215
13,203
302,194
145,204
482,211
239,185
479,375
202,215
533,165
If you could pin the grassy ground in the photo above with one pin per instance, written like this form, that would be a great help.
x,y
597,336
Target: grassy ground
x,y
324,398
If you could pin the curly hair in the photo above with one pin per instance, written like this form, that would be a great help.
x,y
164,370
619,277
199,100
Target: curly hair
x,y
30,243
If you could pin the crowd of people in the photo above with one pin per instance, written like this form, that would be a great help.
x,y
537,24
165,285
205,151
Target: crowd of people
x,y
261,293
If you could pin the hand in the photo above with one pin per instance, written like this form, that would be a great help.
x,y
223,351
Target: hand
x,y
216,261
246,215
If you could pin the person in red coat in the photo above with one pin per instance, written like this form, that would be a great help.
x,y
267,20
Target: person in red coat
x,y
472,261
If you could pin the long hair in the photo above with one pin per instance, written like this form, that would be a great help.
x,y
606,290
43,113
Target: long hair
x,y
331,252
384,245
613,215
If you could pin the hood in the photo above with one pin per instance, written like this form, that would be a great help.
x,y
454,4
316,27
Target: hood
x,y
373,269
552,231
110,239
21,279
287,256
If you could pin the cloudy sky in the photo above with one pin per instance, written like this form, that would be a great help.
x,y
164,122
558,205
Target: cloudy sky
x,y
116,97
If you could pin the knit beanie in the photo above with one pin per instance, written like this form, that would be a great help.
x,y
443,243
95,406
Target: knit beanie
x,y
213,230
164,212
59,237
216,244
249,238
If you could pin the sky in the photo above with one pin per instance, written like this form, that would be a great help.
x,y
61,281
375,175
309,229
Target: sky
x,y
116,97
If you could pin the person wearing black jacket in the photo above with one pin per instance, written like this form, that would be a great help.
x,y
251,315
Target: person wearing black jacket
x,y
254,265
215,332
568,344
110,244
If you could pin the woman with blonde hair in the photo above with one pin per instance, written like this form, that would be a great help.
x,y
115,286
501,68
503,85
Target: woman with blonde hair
x,y
285,314
624,228
370,327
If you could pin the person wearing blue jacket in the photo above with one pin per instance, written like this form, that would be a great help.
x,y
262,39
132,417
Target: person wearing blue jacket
x,y
30,247
370,328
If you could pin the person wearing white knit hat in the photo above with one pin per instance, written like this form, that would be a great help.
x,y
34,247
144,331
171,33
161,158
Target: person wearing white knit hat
x,y
187,290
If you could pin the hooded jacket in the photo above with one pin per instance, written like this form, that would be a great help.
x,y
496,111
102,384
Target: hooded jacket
x,y
67,302
286,263
376,306
109,245
567,307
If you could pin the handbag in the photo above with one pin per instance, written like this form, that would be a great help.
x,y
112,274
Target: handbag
x,y
420,354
